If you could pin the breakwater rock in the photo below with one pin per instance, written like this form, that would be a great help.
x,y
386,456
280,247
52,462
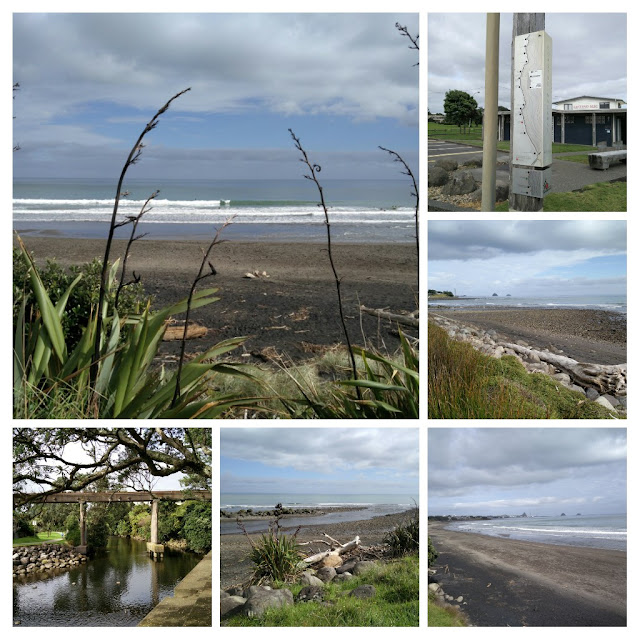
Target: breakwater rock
x,y
604,384
43,558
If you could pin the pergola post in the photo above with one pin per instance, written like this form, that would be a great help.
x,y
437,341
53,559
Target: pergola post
x,y
154,549
83,527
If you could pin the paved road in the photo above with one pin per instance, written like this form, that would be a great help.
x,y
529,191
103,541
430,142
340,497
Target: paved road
x,y
456,151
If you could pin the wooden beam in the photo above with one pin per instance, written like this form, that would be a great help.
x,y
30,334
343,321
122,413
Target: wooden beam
x,y
114,496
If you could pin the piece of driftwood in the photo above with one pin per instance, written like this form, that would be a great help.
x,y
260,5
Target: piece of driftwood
x,y
176,331
605,378
410,320
339,550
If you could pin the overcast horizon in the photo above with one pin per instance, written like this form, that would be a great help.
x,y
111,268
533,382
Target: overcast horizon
x,y
345,83
523,258
538,471
320,460
597,41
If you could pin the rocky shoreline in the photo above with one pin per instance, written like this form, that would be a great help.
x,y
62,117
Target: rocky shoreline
x,y
251,514
604,384
44,558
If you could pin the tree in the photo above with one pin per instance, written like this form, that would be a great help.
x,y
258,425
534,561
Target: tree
x,y
45,458
460,107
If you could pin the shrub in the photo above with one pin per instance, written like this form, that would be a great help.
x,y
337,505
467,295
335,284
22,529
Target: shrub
x,y
72,526
22,527
197,526
97,532
83,297
405,538
432,553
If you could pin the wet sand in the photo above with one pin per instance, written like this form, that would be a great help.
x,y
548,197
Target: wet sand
x,y
515,583
235,566
294,310
585,335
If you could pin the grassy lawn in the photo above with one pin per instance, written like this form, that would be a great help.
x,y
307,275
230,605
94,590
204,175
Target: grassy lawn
x,y
583,158
453,132
39,538
602,196
464,383
395,603
444,616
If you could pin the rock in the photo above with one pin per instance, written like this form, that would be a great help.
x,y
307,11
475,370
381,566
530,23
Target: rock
x,y
311,594
502,190
332,560
343,577
459,599
262,599
459,184
476,196
309,579
592,394
231,605
364,591
437,177
347,566
474,163
447,165
613,401
326,574
363,566
575,387
605,403
434,586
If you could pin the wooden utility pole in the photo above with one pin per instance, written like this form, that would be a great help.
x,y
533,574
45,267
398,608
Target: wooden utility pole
x,y
523,23
490,129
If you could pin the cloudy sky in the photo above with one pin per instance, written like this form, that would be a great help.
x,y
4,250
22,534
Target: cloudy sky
x,y
528,258
544,471
345,83
589,55
326,460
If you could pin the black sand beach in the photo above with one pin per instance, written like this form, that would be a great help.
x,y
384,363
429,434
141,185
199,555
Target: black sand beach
x,y
235,566
515,583
585,335
293,310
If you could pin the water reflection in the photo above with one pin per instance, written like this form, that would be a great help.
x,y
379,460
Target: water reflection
x,y
117,588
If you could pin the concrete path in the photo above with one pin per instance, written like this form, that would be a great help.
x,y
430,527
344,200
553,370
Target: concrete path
x,y
190,605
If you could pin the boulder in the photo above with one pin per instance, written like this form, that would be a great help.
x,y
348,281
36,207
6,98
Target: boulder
x,y
262,599
459,184
446,164
502,190
310,594
309,579
347,566
364,591
332,560
437,176
363,566
613,401
592,394
343,577
326,574
231,605
605,403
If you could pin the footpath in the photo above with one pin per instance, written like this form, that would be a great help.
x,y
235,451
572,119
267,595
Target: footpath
x,y
190,605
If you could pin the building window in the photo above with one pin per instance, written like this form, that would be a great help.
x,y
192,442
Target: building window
x,y
587,119
600,119
568,107
568,119
605,105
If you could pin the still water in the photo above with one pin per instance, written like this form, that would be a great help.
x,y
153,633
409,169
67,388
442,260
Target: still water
x,y
115,589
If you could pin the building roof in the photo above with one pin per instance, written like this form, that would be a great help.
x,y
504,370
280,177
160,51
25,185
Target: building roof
x,y
592,97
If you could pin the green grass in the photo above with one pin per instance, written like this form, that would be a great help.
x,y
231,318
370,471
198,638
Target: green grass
x,y
601,196
39,538
583,158
396,603
464,383
444,616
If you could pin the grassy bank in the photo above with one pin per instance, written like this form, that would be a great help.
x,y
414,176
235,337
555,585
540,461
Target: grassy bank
x,y
39,538
444,616
463,383
602,196
395,603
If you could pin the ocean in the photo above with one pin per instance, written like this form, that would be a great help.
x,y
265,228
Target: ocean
x,y
368,506
599,531
359,210
617,303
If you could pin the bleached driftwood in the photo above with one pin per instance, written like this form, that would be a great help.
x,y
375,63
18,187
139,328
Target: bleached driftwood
x,y
410,320
605,378
339,550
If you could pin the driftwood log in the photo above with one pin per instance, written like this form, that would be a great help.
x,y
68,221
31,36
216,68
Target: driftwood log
x,y
409,320
602,377
338,549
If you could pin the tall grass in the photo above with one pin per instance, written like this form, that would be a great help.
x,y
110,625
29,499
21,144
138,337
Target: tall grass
x,y
463,383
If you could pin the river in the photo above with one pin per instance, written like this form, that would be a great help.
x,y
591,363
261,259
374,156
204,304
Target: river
x,y
116,588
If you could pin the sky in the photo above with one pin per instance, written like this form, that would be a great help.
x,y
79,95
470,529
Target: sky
x,y
545,471
589,55
327,460
89,83
528,258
